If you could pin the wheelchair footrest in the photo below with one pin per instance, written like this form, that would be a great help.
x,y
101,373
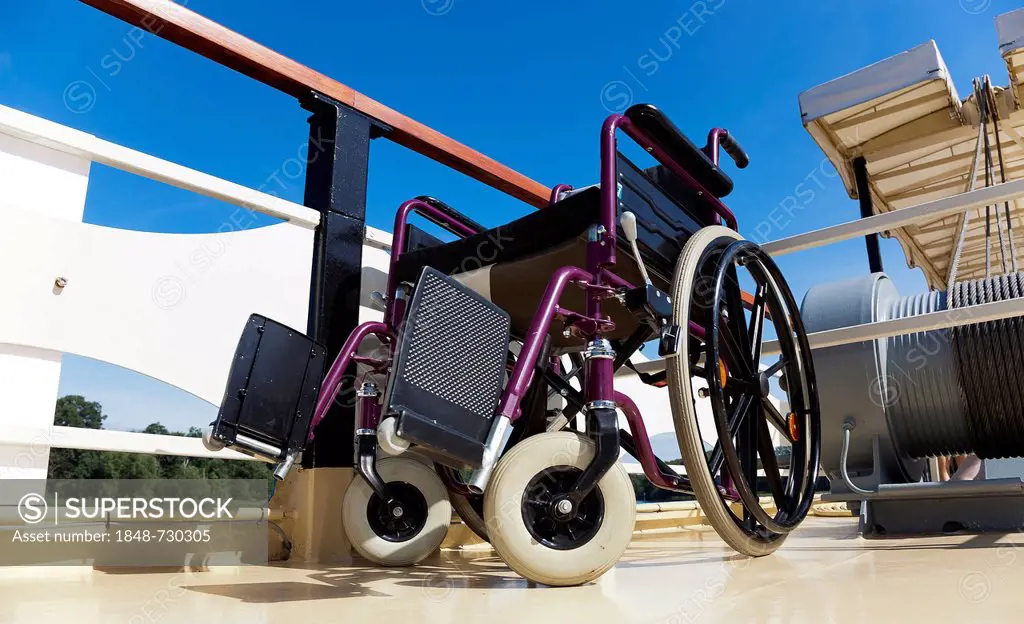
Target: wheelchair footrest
x,y
448,370
271,391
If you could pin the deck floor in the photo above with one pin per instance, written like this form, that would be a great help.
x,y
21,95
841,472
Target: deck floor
x,y
824,573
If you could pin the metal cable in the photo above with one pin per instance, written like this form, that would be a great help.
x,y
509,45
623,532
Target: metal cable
x,y
1002,176
983,111
954,263
926,414
990,362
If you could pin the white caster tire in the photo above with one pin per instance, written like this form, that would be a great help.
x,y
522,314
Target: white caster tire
x,y
523,528
404,540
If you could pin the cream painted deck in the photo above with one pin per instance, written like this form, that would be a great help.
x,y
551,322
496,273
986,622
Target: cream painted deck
x,y
823,574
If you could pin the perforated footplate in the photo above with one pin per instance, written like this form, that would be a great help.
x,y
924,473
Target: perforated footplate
x,y
448,370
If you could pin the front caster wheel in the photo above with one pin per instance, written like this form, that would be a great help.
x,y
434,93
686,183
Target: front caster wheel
x,y
407,530
526,527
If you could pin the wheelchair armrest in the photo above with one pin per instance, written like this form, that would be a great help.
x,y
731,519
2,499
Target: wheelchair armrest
x,y
450,212
652,122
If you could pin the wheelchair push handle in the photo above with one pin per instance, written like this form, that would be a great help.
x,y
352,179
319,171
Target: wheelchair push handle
x,y
655,132
720,137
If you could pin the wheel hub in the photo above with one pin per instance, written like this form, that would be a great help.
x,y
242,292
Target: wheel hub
x,y
564,507
402,516
763,385
552,519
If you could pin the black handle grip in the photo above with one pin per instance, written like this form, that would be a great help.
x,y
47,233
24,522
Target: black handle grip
x,y
733,149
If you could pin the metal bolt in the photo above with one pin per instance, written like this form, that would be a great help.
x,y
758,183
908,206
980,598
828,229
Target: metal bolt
x,y
564,506
397,512
703,393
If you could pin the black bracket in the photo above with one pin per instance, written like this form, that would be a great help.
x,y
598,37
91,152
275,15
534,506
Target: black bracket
x,y
649,304
366,463
669,342
603,429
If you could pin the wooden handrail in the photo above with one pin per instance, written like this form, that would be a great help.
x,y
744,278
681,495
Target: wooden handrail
x,y
194,32
205,37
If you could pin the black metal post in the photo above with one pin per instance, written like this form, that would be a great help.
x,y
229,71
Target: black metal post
x,y
336,178
860,172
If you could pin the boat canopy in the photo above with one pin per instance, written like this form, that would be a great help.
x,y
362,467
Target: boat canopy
x,y
918,139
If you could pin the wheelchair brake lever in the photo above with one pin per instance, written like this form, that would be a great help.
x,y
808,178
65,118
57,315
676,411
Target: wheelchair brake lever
x,y
628,223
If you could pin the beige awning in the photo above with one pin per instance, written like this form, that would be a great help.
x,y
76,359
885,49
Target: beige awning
x,y
918,138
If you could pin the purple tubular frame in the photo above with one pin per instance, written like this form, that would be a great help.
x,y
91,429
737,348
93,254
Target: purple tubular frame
x,y
556,192
609,173
369,413
392,313
522,374
711,149
645,454
398,243
336,374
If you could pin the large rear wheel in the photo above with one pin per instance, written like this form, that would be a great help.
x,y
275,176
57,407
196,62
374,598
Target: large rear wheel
x,y
752,431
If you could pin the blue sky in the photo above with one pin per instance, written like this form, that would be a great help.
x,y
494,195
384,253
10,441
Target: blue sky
x,y
526,82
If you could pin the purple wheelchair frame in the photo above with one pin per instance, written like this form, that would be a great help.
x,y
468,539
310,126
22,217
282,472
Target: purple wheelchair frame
x,y
597,280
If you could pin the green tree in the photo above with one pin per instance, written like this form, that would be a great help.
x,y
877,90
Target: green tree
x,y
76,411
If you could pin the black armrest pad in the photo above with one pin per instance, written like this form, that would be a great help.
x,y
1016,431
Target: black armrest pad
x,y
451,212
652,122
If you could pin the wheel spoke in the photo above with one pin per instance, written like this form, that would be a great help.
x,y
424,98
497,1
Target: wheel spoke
x,y
749,523
736,418
734,355
756,331
776,419
770,464
736,328
772,370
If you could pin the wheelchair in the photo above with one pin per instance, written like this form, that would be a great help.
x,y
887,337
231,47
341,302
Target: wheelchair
x,y
490,384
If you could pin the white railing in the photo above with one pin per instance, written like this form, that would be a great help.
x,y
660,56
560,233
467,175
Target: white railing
x,y
77,143
109,440
928,211
109,309
82,145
